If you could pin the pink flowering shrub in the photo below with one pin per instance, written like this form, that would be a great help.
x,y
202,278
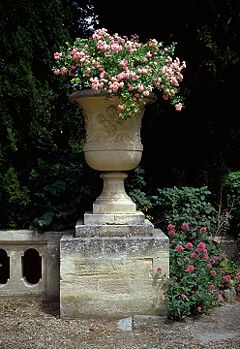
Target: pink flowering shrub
x,y
122,67
198,273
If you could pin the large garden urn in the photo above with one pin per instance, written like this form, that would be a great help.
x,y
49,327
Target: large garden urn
x,y
112,146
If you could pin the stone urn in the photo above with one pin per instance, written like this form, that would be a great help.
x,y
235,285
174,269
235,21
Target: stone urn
x,y
112,146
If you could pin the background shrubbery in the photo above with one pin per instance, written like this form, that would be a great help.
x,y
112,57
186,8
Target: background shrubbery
x,y
44,181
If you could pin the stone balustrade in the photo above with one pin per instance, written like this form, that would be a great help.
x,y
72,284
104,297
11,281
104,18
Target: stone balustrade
x,y
29,264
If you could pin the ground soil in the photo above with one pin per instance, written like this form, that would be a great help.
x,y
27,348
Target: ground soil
x,y
35,325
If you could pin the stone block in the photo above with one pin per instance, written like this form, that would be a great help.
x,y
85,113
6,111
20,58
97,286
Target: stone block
x,y
146,229
113,276
114,218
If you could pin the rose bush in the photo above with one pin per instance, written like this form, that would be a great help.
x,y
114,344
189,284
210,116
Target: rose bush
x,y
199,272
122,67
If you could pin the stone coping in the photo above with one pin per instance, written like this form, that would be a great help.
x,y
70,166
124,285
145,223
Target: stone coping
x,y
115,244
8,235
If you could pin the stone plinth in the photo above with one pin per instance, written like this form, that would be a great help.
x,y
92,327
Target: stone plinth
x,y
92,219
111,230
106,273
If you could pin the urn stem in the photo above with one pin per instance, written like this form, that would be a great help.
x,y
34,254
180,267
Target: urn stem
x,y
114,198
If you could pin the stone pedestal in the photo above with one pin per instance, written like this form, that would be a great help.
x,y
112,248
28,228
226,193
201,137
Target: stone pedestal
x,y
111,271
109,267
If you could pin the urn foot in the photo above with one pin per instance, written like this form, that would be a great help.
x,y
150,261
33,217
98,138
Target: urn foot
x,y
114,198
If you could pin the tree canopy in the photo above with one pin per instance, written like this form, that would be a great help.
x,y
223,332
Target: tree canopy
x,y
41,134
43,177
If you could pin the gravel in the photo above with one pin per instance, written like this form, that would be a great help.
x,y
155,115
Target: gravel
x,y
36,325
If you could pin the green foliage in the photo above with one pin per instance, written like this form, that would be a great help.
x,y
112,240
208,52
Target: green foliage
x,y
14,192
43,180
199,271
186,204
14,195
136,187
231,194
175,205
231,187
61,193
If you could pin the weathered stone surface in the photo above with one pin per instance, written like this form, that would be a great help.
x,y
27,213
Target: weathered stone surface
x,y
146,229
93,219
112,144
113,276
230,295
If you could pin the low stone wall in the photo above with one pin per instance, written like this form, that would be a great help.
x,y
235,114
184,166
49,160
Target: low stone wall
x,y
29,264
97,271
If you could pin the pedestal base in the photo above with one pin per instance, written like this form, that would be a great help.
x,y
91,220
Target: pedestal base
x,y
114,230
136,218
113,276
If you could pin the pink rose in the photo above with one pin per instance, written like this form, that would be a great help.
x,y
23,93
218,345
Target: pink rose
x,y
190,268
184,296
146,93
179,248
194,255
185,226
64,70
159,270
57,56
170,227
172,233
120,107
189,245
140,88
203,230
178,106
227,278
201,246
171,230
